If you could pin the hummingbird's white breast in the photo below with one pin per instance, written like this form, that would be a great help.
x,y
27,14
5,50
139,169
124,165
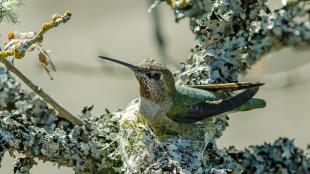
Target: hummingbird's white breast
x,y
153,111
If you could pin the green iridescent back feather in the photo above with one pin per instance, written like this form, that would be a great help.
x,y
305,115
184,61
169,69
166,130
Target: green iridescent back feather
x,y
186,96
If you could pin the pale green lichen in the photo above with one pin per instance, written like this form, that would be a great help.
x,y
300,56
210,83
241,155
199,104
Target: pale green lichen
x,y
8,10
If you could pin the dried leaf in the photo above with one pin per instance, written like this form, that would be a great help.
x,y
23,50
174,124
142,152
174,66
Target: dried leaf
x,y
44,62
11,35
43,59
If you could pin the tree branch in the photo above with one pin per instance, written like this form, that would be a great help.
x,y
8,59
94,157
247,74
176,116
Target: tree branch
x,y
231,35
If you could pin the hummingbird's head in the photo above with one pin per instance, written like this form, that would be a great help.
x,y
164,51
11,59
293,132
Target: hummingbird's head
x,y
155,80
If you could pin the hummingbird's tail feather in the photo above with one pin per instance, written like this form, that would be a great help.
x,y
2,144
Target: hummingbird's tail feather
x,y
226,87
204,110
253,103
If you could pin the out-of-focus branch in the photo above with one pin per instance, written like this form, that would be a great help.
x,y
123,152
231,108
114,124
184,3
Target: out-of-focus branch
x,y
160,41
285,78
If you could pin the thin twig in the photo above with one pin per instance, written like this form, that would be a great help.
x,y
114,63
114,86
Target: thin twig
x,y
61,111
18,51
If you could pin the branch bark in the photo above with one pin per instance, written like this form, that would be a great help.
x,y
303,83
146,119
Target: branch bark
x,y
231,35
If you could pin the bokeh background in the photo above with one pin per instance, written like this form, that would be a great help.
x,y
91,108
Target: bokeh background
x,y
124,29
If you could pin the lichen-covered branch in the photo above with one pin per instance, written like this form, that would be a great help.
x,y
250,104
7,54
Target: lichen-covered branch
x,y
23,165
232,36
20,47
86,151
280,157
30,127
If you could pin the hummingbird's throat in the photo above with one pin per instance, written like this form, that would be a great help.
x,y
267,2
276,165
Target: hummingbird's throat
x,y
145,92
152,89
150,93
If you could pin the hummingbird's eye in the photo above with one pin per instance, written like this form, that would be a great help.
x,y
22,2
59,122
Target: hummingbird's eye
x,y
155,76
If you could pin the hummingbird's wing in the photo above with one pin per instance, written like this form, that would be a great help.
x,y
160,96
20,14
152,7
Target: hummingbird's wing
x,y
202,110
226,87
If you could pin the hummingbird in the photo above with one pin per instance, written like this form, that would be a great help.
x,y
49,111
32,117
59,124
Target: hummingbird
x,y
177,108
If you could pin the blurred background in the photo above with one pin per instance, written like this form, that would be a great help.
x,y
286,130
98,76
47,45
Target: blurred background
x,y
125,30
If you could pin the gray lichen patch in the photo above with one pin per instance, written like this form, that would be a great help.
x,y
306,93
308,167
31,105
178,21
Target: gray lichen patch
x,y
282,156
233,35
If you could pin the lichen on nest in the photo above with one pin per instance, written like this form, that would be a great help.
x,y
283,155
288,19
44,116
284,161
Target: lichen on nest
x,y
145,152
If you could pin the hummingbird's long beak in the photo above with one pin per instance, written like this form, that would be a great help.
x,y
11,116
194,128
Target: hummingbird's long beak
x,y
128,65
